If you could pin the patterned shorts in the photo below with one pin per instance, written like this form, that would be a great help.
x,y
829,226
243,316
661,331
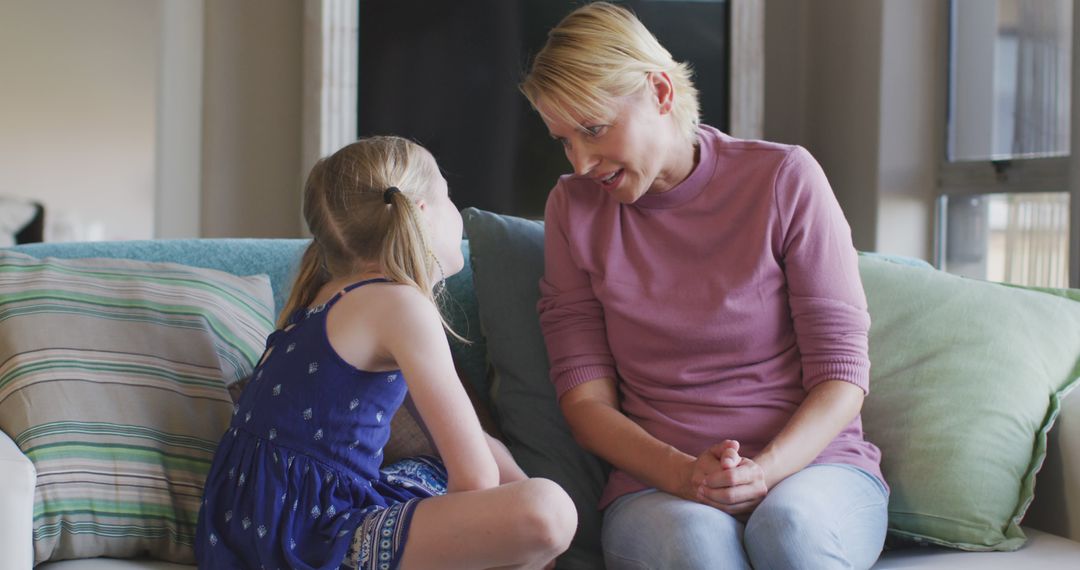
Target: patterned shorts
x,y
380,539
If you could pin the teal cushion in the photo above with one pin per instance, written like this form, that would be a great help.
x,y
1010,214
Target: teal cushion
x,y
276,258
279,260
507,263
966,379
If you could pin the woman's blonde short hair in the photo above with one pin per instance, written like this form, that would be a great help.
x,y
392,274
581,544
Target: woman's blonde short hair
x,y
597,54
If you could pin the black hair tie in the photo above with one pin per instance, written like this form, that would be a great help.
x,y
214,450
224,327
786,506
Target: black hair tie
x,y
389,194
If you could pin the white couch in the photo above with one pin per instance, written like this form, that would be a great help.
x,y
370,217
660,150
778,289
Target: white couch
x,y
1053,523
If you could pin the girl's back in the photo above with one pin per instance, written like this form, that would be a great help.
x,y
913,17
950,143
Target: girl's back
x,y
302,454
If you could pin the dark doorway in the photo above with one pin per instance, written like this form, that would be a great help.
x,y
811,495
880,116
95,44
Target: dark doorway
x,y
445,74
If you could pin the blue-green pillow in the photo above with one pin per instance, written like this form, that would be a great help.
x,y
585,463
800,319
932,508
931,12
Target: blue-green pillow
x,y
507,263
279,260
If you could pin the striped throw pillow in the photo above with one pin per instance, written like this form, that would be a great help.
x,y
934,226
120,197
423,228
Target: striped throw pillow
x,y
113,378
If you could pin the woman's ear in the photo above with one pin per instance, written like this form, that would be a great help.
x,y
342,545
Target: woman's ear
x,y
663,91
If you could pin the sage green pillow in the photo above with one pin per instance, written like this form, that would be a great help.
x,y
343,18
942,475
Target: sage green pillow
x,y
966,379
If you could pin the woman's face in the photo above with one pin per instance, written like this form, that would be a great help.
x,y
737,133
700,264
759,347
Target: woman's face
x,y
638,150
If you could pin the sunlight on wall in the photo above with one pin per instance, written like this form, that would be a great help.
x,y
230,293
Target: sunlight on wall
x,y
77,120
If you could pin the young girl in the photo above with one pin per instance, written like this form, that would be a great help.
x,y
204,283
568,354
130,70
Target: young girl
x,y
296,481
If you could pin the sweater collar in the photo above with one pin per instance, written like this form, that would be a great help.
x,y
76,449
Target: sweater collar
x,y
694,184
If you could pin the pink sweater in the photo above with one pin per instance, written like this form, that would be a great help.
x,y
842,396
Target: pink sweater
x,y
716,305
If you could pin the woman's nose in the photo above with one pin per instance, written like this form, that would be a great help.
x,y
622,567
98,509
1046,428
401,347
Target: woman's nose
x,y
582,159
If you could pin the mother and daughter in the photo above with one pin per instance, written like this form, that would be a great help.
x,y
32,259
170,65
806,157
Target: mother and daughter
x,y
702,310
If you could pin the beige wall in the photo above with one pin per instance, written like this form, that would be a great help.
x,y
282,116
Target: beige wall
x,y
77,116
251,118
153,118
861,84
912,135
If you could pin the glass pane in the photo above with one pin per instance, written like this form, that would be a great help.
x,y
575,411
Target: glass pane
x,y
1016,238
1009,80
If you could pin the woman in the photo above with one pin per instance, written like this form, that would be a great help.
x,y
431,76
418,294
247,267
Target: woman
x,y
704,318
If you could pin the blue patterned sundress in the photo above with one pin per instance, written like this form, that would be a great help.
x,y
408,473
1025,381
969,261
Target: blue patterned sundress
x,y
296,480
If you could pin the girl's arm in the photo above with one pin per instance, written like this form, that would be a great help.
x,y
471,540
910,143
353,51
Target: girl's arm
x,y
509,470
413,335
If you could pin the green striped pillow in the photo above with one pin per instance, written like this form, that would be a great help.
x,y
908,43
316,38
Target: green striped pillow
x,y
113,379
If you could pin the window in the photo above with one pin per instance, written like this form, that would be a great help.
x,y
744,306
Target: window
x,y
1003,210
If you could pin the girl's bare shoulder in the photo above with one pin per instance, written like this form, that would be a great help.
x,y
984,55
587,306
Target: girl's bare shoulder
x,y
389,304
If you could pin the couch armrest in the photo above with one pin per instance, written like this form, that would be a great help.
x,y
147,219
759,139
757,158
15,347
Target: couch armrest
x,y
17,481
1056,508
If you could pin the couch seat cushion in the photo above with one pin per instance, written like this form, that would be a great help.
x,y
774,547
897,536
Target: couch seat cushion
x,y
1042,551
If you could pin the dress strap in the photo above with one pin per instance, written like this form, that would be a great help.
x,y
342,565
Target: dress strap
x,y
337,296
303,312
362,283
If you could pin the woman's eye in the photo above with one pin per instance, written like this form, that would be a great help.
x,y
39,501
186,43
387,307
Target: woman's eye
x,y
596,130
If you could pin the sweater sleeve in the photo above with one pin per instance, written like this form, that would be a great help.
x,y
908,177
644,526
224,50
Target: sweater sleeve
x,y
828,305
571,317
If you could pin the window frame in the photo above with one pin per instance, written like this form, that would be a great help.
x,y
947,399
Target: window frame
x,y
1019,175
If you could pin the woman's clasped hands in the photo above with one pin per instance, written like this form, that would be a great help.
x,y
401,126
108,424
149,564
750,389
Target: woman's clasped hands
x,y
723,479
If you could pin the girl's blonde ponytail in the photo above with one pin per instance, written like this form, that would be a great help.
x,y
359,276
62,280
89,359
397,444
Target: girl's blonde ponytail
x,y
309,279
355,220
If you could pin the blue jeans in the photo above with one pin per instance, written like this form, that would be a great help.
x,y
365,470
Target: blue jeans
x,y
823,517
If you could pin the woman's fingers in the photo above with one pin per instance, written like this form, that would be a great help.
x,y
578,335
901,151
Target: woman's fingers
x,y
744,472
736,509
727,452
735,494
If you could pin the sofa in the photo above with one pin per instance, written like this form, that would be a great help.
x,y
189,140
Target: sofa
x,y
480,308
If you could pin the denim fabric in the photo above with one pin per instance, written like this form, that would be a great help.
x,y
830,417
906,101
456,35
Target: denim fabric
x,y
823,517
